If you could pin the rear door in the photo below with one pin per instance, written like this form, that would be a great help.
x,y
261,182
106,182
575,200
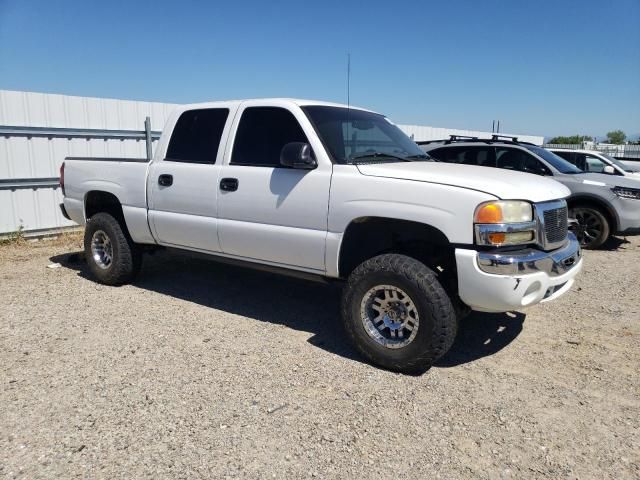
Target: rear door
x,y
511,158
467,155
268,212
183,186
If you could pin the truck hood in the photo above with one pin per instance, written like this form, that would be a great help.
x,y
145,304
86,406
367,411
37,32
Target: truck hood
x,y
501,183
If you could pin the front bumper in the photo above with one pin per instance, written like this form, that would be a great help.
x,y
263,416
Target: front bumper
x,y
504,281
64,212
628,216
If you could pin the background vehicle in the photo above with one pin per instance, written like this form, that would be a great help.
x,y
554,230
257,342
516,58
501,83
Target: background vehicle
x,y
331,192
597,162
602,204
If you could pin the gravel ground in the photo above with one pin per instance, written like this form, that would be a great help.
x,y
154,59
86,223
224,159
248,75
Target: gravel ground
x,y
208,371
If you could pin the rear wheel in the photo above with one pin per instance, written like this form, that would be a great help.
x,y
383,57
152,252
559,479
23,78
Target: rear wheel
x,y
593,227
111,254
397,314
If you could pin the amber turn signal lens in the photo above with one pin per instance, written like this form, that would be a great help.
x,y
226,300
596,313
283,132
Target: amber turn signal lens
x,y
510,238
497,238
490,213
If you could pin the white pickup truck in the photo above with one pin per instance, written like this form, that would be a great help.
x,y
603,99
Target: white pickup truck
x,y
331,192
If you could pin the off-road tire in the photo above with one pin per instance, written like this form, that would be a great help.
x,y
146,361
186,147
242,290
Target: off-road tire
x,y
600,217
127,255
438,324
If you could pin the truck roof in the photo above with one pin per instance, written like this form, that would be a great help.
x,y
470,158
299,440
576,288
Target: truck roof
x,y
269,102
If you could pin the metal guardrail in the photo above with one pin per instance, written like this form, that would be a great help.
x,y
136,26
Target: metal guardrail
x,y
26,183
88,133
9,131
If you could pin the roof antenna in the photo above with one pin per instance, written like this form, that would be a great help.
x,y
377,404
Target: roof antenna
x,y
352,145
348,80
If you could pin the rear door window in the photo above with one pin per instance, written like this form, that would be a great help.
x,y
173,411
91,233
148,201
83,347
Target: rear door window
x,y
519,160
196,136
262,133
470,155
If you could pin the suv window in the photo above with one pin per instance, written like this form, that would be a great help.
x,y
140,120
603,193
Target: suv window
x,y
516,159
196,136
470,155
568,156
262,133
589,163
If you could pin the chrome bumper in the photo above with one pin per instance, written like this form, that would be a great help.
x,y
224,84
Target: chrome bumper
x,y
522,262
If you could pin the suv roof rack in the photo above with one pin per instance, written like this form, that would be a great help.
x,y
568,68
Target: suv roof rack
x,y
452,138
498,137
464,138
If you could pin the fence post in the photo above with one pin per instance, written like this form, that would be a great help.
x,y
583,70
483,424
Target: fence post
x,y
147,134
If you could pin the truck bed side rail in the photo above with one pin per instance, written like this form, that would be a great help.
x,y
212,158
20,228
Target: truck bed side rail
x,y
109,159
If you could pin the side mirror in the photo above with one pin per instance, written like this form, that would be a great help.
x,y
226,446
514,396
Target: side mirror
x,y
609,169
298,155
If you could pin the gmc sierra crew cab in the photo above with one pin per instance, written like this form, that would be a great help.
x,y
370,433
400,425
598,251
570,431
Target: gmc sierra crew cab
x,y
329,191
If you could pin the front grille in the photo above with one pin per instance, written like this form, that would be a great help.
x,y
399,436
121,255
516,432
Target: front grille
x,y
555,224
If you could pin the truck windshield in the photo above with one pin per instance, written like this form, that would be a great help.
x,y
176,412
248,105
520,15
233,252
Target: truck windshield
x,y
355,136
556,162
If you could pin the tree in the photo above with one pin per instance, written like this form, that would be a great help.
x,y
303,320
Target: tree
x,y
572,140
617,136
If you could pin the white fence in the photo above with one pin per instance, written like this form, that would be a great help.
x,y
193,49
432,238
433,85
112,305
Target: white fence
x,y
37,131
38,157
625,152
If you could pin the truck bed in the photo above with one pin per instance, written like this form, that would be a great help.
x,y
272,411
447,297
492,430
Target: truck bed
x,y
126,178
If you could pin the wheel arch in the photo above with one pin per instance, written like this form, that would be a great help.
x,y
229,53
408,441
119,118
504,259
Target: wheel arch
x,y
97,201
598,203
369,236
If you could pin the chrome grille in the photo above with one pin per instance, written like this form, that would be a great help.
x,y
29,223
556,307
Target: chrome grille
x,y
552,223
555,225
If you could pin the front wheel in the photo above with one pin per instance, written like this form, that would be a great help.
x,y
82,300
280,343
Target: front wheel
x,y
592,229
113,258
397,314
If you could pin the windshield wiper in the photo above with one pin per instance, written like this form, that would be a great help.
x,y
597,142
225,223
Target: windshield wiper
x,y
424,156
355,158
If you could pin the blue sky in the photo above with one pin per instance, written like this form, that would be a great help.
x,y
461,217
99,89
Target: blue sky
x,y
541,67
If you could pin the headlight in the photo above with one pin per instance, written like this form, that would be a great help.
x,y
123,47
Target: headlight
x,y
504,222
627,192
504,211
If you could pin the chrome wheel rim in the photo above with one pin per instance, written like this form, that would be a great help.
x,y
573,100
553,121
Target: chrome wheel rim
x,y
589,226
389,316
101,249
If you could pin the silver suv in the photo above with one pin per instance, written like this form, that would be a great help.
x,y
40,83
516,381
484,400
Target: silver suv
x,y
602,204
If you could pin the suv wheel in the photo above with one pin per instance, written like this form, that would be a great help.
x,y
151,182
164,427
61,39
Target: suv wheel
x,y
593,227
397,314
112,256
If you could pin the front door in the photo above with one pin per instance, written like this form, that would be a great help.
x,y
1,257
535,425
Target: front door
x,y
267,212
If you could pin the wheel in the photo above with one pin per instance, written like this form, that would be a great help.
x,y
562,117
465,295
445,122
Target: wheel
x,y
112,256
397,314
593,227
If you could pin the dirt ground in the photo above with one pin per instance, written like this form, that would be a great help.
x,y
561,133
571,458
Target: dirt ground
x,y
200,370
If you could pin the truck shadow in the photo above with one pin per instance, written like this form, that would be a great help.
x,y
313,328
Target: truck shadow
x,y
297,304
614,243
481,335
